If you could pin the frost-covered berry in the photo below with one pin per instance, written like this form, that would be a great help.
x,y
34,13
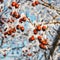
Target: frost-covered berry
x,y
44,28
42,46
32,38
13,3
35,31
38,27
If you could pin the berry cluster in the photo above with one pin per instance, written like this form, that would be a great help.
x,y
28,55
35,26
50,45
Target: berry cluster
x,y
14,4
41,41
15,14
35,3
38,28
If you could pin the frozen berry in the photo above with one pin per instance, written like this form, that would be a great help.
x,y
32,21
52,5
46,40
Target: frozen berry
x,y
42,46
39,38
24,19
35,31
22,28
17,16
21,20
17,6
29,54
13,30
33,4
13,3
31,38
44,42
36,2
9,32
38,27
18,26
44,28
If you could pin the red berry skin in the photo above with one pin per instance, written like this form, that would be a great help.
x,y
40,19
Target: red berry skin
x,y
22,28
31,38
9,32
21,20
17,6
36,2
42,46
13,3
39,38
33,4
13,30
35,31
18,26
24,19
44,42
30,54
38,28
44,28
17,16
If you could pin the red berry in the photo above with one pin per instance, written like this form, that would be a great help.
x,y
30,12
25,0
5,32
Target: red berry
x,y
17,16
44,42
39,38
24,19
13,29
35,31
42,46
22,28
9,32
38,27
44,28
17,6
21,20
31,38
36,2
33,4
29,54
18,26
14,13
13,3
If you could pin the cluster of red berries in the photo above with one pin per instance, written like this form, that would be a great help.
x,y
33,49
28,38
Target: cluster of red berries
x,y
14,4
32,38
20,27
10,20
35,3
38,28
23,19
15,14
42,42
13,30
9,32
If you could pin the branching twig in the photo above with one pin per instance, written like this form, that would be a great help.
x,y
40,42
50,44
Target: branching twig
x,y
55,42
